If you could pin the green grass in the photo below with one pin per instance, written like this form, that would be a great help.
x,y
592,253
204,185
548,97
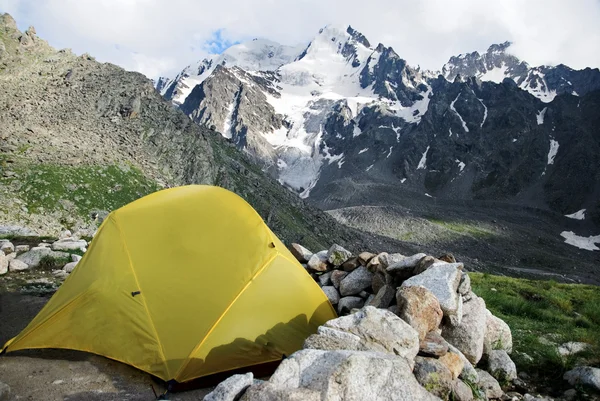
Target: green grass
x,y
548,310
463,227
80,189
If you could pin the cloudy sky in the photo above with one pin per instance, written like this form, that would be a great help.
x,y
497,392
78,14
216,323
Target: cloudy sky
x,y
160,37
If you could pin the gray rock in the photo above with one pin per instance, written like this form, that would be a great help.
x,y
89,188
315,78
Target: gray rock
x,y
60,274
365,294
7,247
231,389
404,267
325,279
365,257
433,345
75,258
388,259
424,264
381,331
69,244
489,385
442,279
356,281
69,267
351,264
34,256
497,335
350,375
318,262
11,256
3,263
17,265
337,255
383,298
461,391
4,392
19,249
337,276
501,366
266,391
377,282
434,376
332,294
301,254
420,308
584,375
346,304
572,348
468,337
468,372
456,319
332,339
465,283
375,263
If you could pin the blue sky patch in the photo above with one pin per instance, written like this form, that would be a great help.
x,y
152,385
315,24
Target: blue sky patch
x,y
217,44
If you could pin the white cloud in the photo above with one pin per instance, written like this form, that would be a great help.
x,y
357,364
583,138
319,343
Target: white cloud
x,y
162,36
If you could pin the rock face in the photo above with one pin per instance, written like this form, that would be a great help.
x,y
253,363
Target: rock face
x,y
350,375
419,308
442,280
468,336
231,389
584,375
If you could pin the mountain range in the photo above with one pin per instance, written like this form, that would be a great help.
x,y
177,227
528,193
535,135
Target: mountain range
x,y
333,118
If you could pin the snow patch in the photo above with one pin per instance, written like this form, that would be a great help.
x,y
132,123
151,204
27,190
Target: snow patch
x,y
579,215
450,131
540,116
229,119
356,131
423,162
514,140
496,74
461,165
485,113
464,124
426,194
552,152
363,150
370,167
402,181
390,152
586,243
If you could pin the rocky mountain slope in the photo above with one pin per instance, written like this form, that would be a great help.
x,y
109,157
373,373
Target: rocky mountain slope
x,y
79,138
345,115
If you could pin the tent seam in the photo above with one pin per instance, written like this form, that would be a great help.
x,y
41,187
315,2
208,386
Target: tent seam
x,y
162,353
216,323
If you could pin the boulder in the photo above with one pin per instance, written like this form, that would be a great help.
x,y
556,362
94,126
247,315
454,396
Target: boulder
x,y
447,257
325,279
329,339
75,258
356,281
3,263
442,279
456,319
351,264
337,276
35,255
265,391
420,308
468,336
375,263
433,345
501,366
468,372
301,254
231,389
19,249
346,304
377,282
332,294
453,362
572,348
584,376
365,257
69,244
461,391
388,259
4,392
383,298
11,256
497,335
17,265
337,255
404,267
489,385
465,283
350,375
60,274
424,264
318,262
434,376
380,330
69,267
7,247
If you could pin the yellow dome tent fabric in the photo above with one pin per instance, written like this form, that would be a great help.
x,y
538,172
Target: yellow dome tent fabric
x,y
183,283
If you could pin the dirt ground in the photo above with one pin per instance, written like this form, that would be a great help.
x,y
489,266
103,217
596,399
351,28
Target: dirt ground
x,y
68,375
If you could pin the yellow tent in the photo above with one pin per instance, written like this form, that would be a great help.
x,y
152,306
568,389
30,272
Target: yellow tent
x,y
183,283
